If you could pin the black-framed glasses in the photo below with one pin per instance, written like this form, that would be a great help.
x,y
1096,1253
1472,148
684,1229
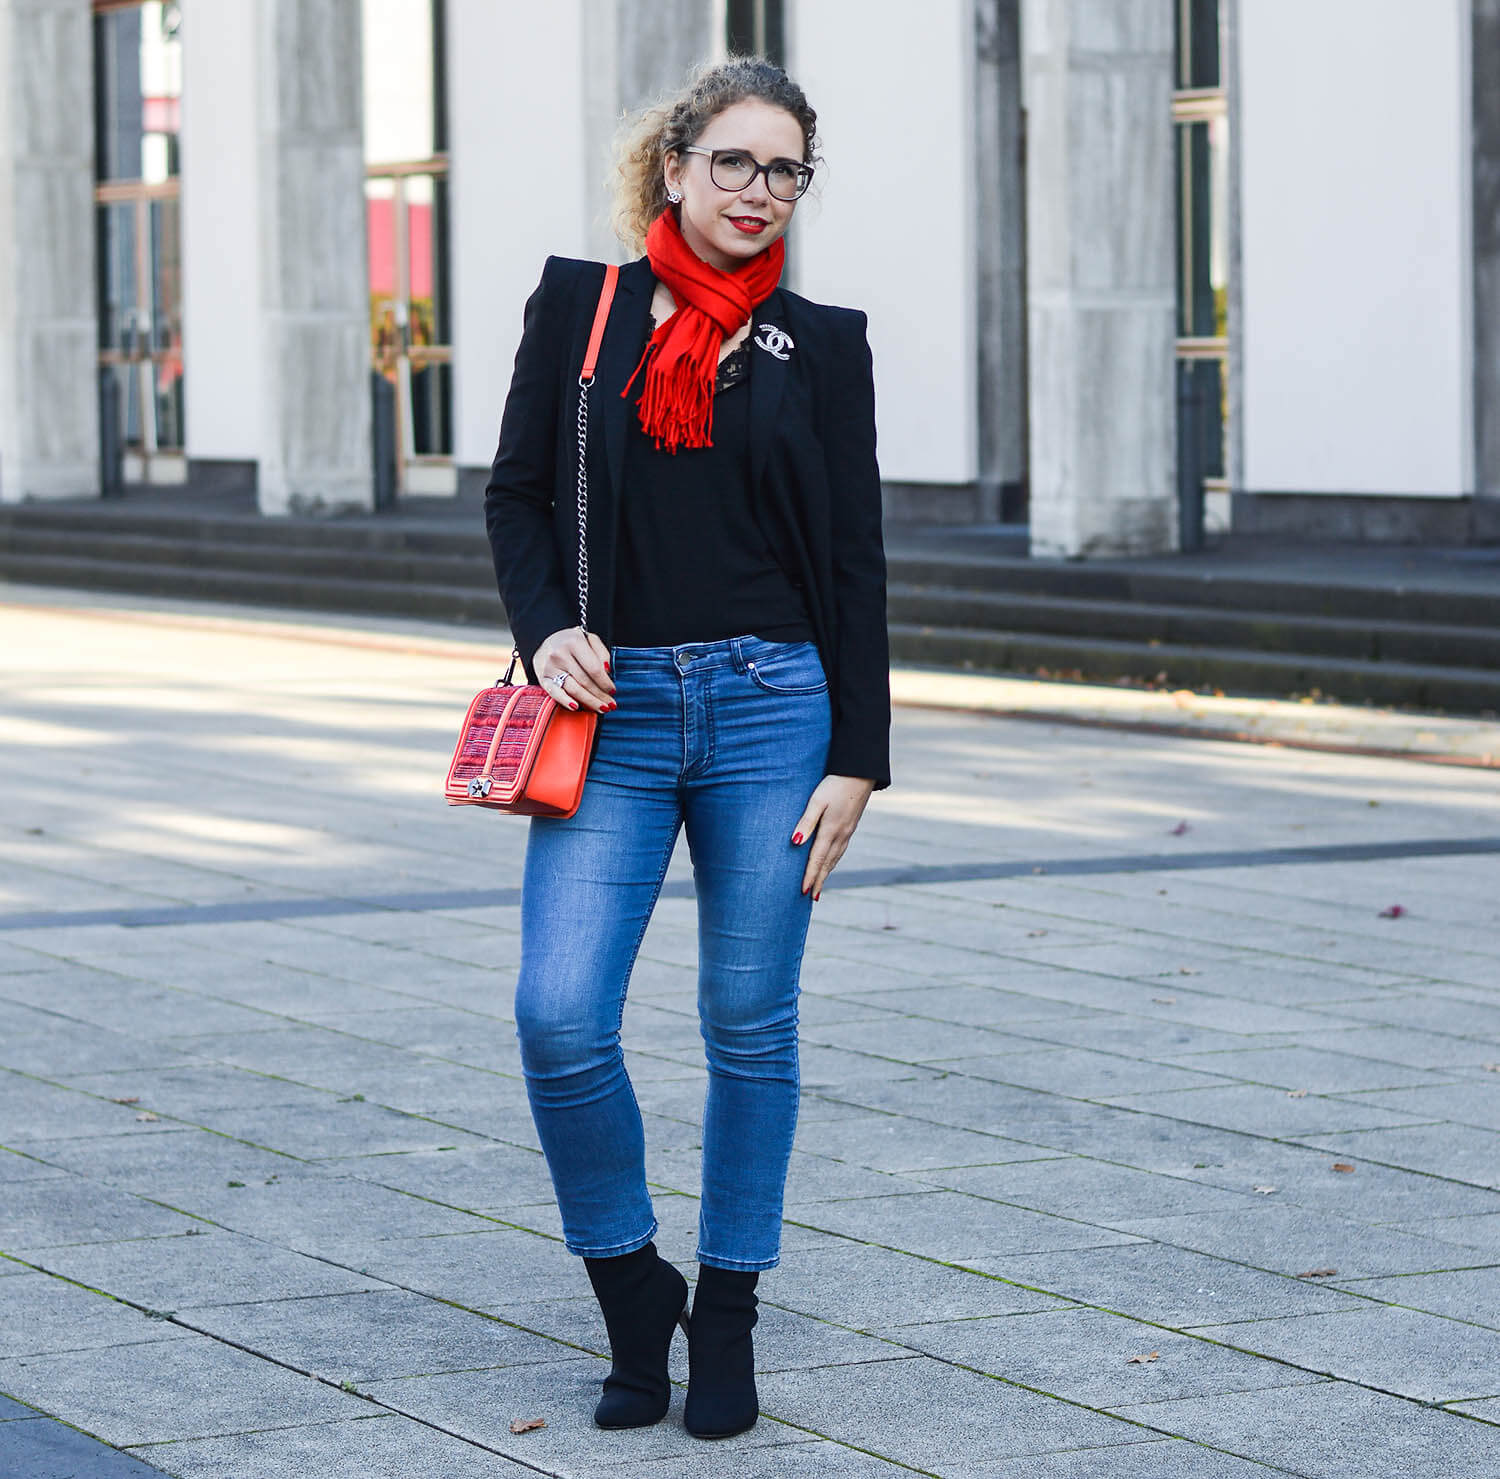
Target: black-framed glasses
x,y
733,169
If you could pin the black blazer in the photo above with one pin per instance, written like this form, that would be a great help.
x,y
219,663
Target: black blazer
x,y
812,468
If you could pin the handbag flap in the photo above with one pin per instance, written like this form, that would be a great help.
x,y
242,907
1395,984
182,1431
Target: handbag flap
x,y
498,744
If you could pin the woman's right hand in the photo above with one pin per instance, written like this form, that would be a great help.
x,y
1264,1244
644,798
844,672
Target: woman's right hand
x,y
584,660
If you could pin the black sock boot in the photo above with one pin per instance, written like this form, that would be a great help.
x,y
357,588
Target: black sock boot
x,y
644,1298
721,1398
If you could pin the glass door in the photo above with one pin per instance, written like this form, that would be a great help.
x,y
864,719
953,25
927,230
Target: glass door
x,y
406,215
138,220
1200,117
406,210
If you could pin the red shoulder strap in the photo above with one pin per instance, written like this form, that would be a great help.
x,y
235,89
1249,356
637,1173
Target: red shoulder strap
x,y
601,317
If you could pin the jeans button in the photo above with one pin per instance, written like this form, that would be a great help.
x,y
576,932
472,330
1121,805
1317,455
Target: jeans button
x,y
684,660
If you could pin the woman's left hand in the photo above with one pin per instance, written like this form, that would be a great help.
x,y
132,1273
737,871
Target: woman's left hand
x,y
829,819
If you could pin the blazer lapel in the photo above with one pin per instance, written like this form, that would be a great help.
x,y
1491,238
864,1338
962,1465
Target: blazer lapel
x,y
772,349
618,356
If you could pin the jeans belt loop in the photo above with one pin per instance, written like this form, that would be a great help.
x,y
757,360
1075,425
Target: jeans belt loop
x,y
739,656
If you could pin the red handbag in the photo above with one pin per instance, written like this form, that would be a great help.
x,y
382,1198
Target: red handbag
x,y
519,750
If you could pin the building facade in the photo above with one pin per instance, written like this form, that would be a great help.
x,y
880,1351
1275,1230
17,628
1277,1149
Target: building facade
x,y
1129,264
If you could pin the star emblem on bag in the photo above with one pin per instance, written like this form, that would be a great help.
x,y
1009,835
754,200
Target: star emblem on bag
x,y
774,341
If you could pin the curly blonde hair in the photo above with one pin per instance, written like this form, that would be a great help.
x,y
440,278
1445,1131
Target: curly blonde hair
x,y
669,124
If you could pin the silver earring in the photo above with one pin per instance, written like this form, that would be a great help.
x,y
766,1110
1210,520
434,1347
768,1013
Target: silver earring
x,y
674,197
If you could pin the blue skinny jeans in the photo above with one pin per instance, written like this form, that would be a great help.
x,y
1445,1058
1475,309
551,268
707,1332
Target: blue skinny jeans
x,y
727,740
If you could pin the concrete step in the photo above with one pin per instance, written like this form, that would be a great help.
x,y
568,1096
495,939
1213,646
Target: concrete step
x,y
1187,665
987,571
914,605
987,611
1142,621
1179,665
315,561
1116,581
362,532
253,587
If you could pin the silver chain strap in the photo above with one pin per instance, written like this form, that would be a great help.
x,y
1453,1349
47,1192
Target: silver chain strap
x,y
583,501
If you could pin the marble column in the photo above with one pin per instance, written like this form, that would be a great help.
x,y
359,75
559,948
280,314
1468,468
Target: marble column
x,y
1486,134
315,333
1000,246
49,415
1097,78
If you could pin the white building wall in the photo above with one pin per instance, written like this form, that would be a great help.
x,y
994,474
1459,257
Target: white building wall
x,y
1355,158
222,347
516,137
889,227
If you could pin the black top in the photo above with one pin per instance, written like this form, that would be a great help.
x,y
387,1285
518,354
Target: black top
x,y
692,563
813,471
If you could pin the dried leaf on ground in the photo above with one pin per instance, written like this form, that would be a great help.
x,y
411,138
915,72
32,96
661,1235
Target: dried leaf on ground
x,y
1265,1191
1165,1001
1343,1166
127,1099
1317,1273
147,1117
1394,912
1296,1093
1179,829
526,1424
1150,1356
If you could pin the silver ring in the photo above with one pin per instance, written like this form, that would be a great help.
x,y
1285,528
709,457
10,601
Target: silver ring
x,y
561,679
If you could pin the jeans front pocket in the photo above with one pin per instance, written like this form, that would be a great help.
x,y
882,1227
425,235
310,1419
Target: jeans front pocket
x,y
787,668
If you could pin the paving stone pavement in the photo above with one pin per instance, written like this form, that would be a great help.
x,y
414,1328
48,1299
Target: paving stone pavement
x,y
1151,1095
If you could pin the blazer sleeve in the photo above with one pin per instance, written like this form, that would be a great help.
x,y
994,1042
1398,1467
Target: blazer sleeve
x,y
518,498
860,744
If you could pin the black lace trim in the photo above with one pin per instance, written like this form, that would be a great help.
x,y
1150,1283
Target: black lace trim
x,y
734,367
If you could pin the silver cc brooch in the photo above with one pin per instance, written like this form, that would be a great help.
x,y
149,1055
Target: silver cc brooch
x,y
774,341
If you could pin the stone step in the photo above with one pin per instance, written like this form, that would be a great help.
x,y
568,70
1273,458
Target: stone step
x,y
1187,665
1181,665
357,532
988,570
913,605
1117,581
261,588
473,570
1142,621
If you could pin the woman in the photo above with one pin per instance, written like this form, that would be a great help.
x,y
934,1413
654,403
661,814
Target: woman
x,y
736,652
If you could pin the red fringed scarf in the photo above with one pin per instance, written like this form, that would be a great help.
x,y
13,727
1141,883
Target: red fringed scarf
x,y
682,356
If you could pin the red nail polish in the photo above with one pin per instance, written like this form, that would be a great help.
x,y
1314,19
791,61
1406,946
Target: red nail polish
x,y
796,838
817,896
